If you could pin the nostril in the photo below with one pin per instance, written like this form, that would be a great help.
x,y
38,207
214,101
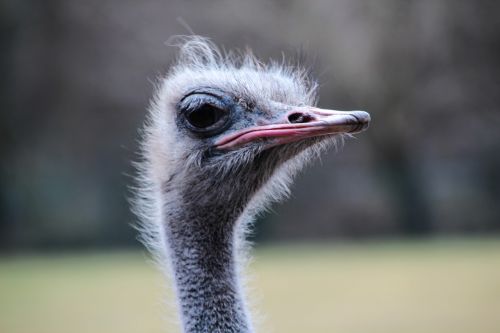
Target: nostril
x,y
297,117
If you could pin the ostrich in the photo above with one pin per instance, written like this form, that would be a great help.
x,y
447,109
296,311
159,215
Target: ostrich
x,y
224,136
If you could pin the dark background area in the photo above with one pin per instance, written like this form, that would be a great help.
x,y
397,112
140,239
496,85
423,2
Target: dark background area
x,y
77,77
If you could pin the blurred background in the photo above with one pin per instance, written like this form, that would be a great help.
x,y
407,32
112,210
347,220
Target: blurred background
x,y
414,199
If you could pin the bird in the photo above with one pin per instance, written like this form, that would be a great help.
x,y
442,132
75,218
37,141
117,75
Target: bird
x,y
224,136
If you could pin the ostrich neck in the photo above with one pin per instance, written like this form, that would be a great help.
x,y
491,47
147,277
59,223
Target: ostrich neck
x,y
202,235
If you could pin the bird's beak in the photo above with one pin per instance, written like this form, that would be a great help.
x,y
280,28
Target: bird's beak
x,y
297,124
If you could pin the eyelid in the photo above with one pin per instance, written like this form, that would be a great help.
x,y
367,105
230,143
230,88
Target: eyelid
x,y
189,102
195,103
192,108
203,91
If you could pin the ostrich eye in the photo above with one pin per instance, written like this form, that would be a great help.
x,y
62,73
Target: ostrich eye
x,y
205,115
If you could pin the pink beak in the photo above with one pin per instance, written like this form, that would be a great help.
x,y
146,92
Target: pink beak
x,y
300,123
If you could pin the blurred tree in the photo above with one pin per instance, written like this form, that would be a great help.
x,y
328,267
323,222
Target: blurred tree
x,y
9,27
75,84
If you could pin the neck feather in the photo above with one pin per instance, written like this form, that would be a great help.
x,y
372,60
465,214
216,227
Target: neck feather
x,y
202,253
202,230
203,215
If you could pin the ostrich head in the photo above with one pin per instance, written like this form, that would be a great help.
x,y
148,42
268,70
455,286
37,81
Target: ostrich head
x,y
225,134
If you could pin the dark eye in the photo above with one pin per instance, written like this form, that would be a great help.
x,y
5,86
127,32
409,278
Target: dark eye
x,y
205,116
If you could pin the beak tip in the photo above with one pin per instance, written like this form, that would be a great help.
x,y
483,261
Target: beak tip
x,y
362,119
362,116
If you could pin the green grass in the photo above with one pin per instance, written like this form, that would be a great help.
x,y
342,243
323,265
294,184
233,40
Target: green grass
x,y
425,287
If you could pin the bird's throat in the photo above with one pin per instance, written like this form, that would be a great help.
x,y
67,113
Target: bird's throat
x,y
203,249
204,226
